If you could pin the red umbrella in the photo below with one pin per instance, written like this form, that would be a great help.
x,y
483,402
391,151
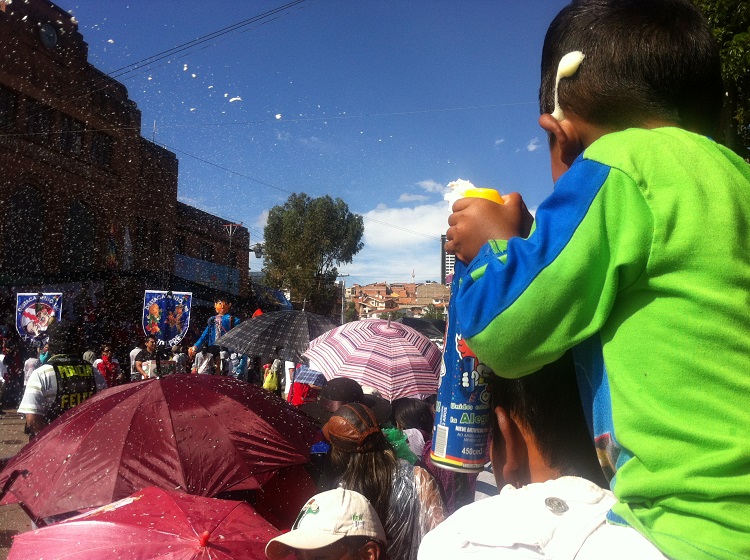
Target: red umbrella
x,y
153,523
391,357
199,434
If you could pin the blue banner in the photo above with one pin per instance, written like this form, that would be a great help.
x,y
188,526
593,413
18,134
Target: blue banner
x,y
166,315
35,313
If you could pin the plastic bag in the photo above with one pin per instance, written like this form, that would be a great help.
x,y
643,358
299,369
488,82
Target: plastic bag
x,y
416,508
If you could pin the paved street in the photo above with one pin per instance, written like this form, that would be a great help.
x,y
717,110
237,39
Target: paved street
x,y
12,519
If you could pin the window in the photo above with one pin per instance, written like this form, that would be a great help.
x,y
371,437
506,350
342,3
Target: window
x,y
206,252
71,137
8,109
39,120
101,148
23,232
78,241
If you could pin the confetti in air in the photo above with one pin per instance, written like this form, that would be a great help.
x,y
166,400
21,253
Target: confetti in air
x,y
238,98
111,41
184,67
278,116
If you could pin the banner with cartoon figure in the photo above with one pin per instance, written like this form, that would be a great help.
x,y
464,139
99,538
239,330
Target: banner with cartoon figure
x,y
166,315
35,312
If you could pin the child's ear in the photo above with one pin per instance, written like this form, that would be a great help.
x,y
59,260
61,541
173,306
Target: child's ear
x,y
510,456
565,142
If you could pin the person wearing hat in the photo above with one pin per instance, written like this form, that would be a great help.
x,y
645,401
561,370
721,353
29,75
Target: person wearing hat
x,y
340,391
334,525
405,496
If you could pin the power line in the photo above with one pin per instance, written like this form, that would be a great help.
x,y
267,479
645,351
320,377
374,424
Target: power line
x,y
288,192
101,83
200,40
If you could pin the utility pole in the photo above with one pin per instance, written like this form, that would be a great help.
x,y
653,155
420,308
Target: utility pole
x,y
230,229
343,298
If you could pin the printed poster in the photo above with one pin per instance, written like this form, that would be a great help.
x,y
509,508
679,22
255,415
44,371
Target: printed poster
x,y
166,315
35,312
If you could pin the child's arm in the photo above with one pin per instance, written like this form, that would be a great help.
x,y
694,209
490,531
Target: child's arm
x,y
475,221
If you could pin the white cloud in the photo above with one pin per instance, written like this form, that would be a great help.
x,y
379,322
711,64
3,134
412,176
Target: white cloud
x,y
534,145
398,240
262,220
406,197
432,186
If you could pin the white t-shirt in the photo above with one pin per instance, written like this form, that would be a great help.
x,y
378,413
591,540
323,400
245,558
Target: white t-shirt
x,y
133,353
41,390
28,366
203,363
3,368
564,519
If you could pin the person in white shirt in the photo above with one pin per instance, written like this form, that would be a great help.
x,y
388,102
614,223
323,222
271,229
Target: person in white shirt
x,y
134,373
552,503
203,363
31,363
62,383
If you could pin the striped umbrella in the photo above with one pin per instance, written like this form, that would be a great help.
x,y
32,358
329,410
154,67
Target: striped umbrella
x,y
395,359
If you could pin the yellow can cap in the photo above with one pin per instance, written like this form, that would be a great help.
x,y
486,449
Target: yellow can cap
x,y
489,194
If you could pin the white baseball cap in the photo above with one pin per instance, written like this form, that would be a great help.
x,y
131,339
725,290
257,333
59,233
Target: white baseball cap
x,y
325,519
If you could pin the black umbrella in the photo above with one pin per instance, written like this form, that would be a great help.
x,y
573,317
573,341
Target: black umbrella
x,y
262,335
423,326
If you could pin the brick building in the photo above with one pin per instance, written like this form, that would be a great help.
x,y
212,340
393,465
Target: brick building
x,y
90,206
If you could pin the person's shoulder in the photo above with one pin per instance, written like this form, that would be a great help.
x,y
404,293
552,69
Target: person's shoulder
x,y
561,513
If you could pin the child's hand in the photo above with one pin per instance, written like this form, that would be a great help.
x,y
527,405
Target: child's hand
x,y
475,221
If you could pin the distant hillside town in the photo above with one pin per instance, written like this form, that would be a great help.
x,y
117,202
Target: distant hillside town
x,y
381,299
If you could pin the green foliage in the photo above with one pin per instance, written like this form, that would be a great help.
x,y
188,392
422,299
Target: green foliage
x,y
432,312
305,240
350,314
730,21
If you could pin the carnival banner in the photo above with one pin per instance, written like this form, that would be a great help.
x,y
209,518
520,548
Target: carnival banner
x,y
166,315
35,312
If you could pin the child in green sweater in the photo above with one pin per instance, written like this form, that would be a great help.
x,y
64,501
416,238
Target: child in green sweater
x,y
639,261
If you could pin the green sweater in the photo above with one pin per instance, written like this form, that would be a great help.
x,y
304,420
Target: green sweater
x,y
640,260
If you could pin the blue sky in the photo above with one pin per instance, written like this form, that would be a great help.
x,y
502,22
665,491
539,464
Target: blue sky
x,y
378,102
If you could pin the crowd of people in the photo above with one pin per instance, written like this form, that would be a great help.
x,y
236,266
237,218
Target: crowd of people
x,y
615,321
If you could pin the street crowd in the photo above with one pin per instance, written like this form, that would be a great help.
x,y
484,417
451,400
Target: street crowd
x,y
614,319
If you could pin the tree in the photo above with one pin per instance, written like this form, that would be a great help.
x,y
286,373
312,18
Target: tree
x,y
432,312
730,21
305,240
351,313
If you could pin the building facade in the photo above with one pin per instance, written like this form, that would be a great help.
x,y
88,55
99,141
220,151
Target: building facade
x,y
90,206
447,263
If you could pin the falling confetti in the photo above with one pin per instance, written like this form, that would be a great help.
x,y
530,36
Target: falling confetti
x,y
111,41
238,98
278,116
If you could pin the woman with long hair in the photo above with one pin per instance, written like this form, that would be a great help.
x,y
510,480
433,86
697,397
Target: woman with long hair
x,y
405,496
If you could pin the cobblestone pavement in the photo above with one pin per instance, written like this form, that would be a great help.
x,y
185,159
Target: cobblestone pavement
x,y
12,519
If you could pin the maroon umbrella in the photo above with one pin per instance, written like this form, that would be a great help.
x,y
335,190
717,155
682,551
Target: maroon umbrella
x,y
153,523
200,435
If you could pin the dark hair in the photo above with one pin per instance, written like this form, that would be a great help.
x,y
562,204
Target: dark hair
x,y
644,60
370,472
149,337
548,404
412,413
63,338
